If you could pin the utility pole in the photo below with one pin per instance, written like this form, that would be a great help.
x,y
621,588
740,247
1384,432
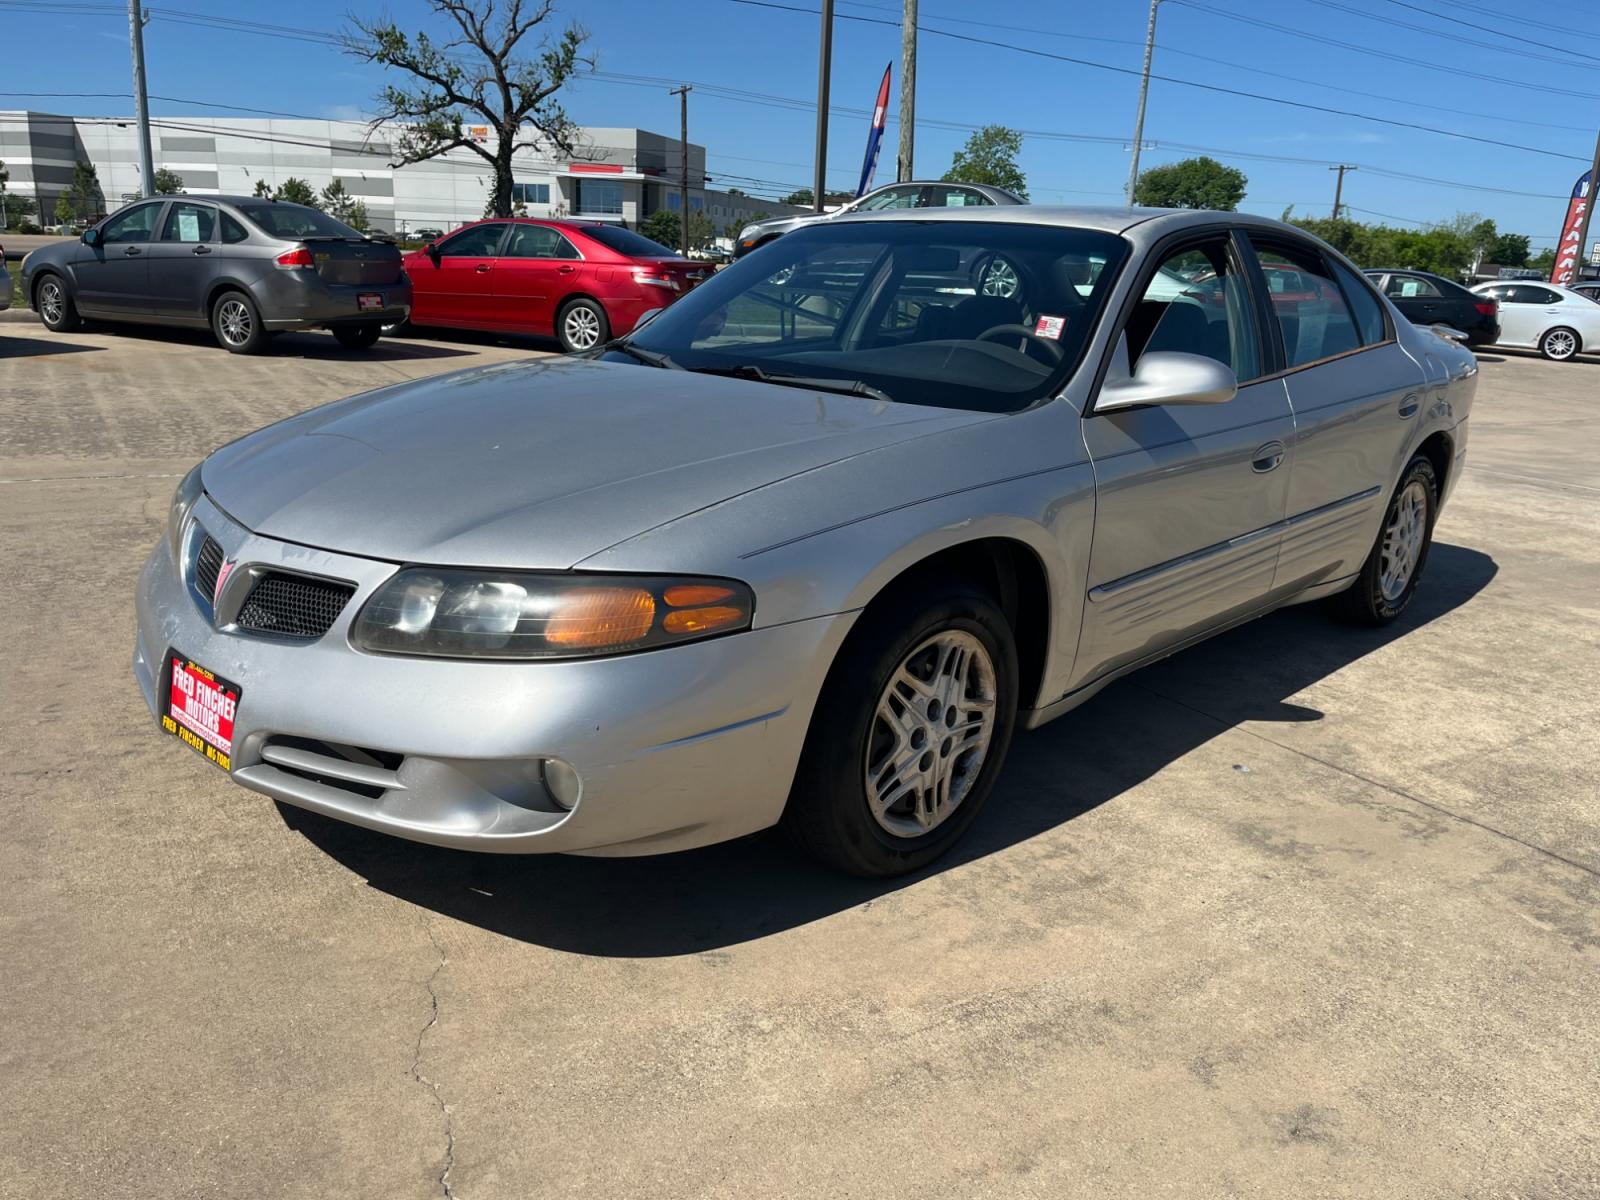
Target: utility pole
x,y
1338,187
824,67
1144,92
908,91
141,103
682,93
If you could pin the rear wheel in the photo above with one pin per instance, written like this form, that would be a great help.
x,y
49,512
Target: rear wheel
x,y
236,324
1389,577
1560,344
909,735
582,325
53,302
358,335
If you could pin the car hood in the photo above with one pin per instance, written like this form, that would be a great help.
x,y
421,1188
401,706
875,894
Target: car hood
x,y
537,464
790,221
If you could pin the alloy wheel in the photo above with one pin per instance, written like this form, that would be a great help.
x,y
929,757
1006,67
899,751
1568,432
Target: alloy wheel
x,y
233,319
1560,343
930,733
52,301
1001,280
1403,539
582,328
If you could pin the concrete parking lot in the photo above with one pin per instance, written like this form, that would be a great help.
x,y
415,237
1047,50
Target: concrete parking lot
x,y
1306,911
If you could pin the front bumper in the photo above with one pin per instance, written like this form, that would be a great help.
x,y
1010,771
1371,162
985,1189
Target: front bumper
x,y
675,748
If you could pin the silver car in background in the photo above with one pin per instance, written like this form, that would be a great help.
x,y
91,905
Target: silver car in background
x,y
809,546
242,266
913,194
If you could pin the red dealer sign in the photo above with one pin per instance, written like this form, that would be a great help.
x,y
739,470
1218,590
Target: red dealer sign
x,y
1569,250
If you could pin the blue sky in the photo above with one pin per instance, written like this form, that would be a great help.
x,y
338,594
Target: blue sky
x,y
758,141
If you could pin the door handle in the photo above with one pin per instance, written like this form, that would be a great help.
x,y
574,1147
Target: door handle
x,y
202,249
131,251
566,270
1410,404
482,268
1266,458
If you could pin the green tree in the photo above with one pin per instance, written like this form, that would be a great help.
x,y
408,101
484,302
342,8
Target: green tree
x,y
702,230
337,201
990,156
263,189
167,183
1200,182
661,226
63,209
359,218
480,74
296,191
1509,250
83,198
1544,261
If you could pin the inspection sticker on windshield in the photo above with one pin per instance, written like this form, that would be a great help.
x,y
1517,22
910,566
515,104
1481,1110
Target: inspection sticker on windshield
x,y
201,707
1050,327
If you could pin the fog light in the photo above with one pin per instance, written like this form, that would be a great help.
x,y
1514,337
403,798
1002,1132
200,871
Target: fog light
x,y
562,782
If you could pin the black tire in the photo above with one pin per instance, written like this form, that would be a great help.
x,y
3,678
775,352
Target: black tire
x,y
236,324
52,300
1561,344
829,814
586,320
1365,601
358,335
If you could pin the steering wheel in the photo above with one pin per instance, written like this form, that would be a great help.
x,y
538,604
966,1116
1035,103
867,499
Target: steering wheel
x,y
1052,348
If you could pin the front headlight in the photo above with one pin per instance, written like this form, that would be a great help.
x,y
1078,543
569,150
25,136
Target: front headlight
x,y
532,615
183,502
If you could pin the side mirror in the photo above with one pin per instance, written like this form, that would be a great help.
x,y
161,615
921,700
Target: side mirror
x,y
432,252
91,237
1448,333
650,314
1170,377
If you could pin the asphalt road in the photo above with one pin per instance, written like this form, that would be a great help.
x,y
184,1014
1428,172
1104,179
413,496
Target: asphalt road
x,y
1303,912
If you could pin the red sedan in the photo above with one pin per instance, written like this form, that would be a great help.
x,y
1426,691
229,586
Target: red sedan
x,y
581,282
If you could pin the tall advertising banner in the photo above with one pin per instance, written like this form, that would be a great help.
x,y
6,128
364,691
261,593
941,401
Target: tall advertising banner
x,y
880,110
1569,250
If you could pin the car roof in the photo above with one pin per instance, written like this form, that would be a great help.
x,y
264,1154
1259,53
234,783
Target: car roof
x,y
1106,219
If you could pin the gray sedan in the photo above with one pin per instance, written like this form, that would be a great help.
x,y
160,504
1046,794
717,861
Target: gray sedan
x,y
243,266
809,546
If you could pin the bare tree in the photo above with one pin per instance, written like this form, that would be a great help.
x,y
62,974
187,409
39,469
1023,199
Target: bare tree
x,y
479,76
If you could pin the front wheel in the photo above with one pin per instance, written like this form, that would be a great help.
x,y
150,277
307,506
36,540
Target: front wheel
x,y
1389,577
358,336
909,734
54,305
1560,344
582,325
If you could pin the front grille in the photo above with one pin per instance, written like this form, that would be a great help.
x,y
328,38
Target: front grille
x,y
293,605
206,565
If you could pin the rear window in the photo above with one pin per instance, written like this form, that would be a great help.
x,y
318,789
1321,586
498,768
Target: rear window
x,y
625,241
295,222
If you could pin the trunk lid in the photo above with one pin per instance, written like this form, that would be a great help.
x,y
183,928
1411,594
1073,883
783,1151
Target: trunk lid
x,y
687,273
343,261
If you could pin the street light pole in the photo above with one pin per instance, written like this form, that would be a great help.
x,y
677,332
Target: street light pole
x,y
1338,187
908,90
682,93
1144,92
141,102
824,67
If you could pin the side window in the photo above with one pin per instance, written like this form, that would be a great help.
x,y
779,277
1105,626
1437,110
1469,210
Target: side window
x,y
1539,295
1198,303
895,197
1410,287
189,223
135,225
232,231
538,241
1502,293
1369,313
943,195
1312,315
481,241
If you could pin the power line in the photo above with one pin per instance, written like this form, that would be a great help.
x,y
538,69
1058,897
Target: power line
x,y
1565,53
1566,58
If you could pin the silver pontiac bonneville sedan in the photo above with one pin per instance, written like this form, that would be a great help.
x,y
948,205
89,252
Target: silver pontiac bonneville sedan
x,y
810,545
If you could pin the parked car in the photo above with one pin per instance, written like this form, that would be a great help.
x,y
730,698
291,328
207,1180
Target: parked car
x,y
582,282
927,194
5,281
428,234
802,552
244,266
1428,299
1556,321
1589,288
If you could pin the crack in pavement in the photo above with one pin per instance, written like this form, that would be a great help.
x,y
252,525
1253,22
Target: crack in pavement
x,y
416,1068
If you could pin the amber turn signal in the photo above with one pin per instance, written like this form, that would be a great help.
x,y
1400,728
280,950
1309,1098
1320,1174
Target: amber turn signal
x,y
703,620
592,618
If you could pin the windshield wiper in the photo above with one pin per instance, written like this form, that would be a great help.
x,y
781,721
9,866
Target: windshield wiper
x,y
651,357
815,383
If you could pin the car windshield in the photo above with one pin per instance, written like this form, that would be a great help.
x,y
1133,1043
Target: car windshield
x,y
295,222
951,314
625,241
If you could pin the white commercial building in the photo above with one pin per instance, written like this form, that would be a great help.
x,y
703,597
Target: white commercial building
x,y
620,175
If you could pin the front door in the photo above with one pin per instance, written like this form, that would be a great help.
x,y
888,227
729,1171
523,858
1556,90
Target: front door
x,y
456,285
183,260
537,268
1357,398
1190,499
113,278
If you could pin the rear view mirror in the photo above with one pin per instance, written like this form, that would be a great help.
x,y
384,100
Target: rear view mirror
x,y
1170,377
91,237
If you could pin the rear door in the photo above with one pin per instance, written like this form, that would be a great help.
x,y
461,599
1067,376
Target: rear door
x,y
536,268
1356,395
456,286
1526,311
113,278
1418,298
1189,499
183,259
